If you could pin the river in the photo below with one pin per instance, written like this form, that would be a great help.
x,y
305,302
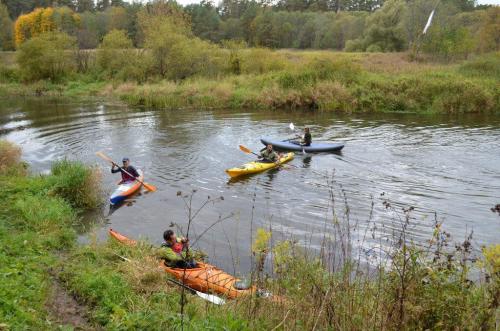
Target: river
x,y
442,165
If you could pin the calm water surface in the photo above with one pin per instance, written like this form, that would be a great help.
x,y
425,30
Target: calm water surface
x,y
448,165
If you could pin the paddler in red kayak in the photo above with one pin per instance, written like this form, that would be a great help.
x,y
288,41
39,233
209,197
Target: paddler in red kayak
x,y
174,251
128,168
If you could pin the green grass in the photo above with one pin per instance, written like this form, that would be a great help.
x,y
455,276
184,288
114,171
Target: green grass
x,y
314,80
36,219
332,81
38,247
31,226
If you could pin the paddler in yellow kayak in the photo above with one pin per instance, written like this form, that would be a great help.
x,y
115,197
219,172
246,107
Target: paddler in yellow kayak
x,y
126,177
175,251
269,155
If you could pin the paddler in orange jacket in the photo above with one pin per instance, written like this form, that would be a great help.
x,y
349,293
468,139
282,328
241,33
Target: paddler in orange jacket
x,y
174,251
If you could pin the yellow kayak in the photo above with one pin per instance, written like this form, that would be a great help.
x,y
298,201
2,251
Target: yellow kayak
x,y
256,166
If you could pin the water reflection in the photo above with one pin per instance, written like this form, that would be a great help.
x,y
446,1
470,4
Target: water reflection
x,y
306,161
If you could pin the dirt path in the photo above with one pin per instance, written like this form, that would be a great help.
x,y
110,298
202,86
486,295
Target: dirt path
x,y
65,310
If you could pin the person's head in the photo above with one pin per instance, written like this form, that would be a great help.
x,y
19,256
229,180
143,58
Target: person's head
x,y
169,236
270,147
306,130
126,161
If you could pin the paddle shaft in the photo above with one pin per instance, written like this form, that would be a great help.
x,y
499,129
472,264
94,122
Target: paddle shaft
x,y
182,285
296,137
128,173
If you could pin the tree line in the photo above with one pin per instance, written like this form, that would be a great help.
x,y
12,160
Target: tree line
x,y
459,27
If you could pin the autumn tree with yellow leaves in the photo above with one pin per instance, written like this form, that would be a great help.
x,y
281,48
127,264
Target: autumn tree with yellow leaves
x,y
43,20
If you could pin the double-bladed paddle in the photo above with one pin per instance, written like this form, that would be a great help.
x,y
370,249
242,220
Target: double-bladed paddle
x,y
292,127
148,187
248,151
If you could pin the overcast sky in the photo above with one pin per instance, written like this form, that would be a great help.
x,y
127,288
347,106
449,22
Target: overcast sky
x,y
490,2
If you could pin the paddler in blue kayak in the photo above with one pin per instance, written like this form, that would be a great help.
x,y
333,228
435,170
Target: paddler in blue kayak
x,y
269,155
305,140
175,251
126,177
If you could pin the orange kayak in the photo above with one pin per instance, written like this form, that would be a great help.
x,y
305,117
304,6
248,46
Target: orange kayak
x,y
205,278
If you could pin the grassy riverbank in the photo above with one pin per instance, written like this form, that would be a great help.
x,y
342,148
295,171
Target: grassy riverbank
x,y
39,253
314,80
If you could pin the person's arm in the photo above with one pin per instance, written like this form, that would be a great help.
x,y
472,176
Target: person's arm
x,y
133,171
115,169
168,254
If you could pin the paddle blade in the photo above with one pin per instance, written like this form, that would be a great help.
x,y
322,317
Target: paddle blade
x,y
244,149
104,157
211,298
292,127
149,187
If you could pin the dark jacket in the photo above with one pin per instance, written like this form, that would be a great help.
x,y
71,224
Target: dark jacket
x,y
307,139
126,177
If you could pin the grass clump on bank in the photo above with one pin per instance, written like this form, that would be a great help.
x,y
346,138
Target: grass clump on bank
x,y
326,84
35,226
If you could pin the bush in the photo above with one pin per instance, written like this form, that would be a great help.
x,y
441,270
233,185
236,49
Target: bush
x,y
115,52
449,43
76,183
48,56
10,157
374,48
355,45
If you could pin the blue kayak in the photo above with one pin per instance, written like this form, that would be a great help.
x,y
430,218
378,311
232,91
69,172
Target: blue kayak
x,y
313,148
